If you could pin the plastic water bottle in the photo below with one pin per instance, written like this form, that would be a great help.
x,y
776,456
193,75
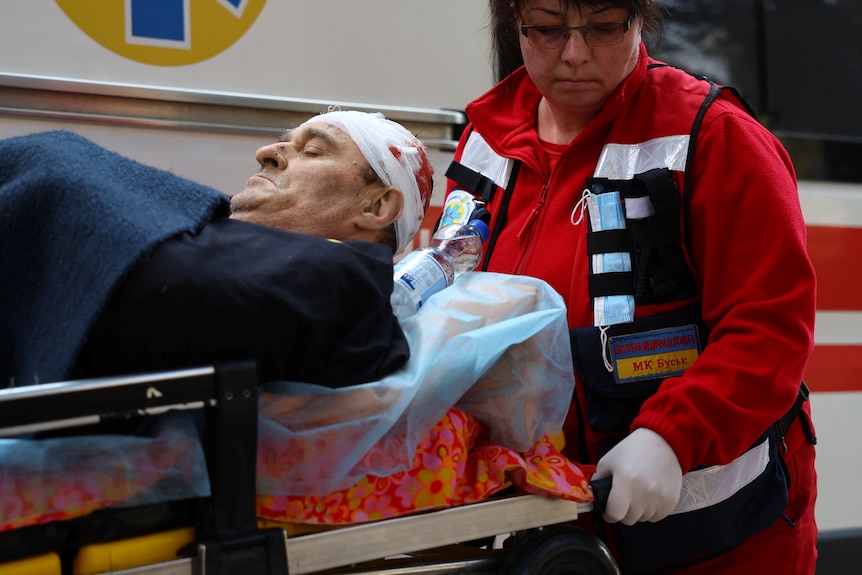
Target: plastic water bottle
x,y
463,243
454,249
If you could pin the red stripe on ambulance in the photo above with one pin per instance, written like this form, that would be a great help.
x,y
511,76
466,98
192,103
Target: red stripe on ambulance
x,y
834,368
835,254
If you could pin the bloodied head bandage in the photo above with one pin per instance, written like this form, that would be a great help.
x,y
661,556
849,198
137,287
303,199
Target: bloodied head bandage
x,y
396,156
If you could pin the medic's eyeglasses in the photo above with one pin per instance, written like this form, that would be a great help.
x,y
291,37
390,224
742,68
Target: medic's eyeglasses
x,y
555,37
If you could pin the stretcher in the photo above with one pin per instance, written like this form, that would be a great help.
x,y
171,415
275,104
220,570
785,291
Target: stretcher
x,y
221,534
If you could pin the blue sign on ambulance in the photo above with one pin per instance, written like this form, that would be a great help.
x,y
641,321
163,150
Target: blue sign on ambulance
x,y
164,32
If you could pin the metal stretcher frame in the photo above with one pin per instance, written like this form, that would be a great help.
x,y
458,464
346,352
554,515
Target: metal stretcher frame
x,y
228,538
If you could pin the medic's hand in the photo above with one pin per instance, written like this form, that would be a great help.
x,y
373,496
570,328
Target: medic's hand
x,y
647,478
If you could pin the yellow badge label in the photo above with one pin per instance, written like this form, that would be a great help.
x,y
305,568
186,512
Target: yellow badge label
x,y
658,353
164,32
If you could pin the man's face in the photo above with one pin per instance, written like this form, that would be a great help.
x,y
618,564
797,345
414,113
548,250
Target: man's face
x,y
312,181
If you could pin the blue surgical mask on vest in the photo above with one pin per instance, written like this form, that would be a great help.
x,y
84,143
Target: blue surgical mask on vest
x,y
607,213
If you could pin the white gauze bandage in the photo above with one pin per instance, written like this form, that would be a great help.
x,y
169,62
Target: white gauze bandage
x,y
396,156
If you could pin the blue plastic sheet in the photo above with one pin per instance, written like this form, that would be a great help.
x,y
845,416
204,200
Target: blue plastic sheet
x,y
162,461
494,345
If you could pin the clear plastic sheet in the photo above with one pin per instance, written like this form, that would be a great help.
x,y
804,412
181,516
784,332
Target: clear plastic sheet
x,y
494,345
65,477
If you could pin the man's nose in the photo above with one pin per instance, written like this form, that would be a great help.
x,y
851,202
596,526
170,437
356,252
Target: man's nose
x,y
271,155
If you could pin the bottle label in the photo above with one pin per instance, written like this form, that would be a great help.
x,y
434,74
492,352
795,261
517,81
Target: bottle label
x,y
421,275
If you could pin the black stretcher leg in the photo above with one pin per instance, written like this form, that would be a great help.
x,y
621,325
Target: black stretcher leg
x,y
229,541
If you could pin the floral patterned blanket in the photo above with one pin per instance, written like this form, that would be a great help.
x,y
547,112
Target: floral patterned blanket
x,y
454,465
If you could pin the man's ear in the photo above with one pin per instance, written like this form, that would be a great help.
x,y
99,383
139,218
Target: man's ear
x,y
383,209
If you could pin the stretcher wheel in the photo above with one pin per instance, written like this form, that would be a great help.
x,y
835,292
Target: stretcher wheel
x,y
559,550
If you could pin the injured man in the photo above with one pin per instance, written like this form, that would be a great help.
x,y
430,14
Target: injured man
x,y
111,267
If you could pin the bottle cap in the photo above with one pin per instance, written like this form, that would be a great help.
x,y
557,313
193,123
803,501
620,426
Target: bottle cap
x,y
481,227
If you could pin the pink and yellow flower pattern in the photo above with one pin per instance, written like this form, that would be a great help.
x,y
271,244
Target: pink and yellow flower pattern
x,y
453,465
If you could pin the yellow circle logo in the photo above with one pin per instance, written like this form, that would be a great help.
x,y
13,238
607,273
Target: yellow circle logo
x,y
164,32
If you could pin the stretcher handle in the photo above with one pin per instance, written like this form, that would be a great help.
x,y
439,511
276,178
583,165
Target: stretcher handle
x,y
601,491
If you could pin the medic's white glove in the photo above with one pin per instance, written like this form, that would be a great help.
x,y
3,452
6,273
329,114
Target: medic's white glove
x,y
646,476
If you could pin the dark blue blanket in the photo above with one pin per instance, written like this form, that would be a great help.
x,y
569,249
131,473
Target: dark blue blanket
x,y
74,218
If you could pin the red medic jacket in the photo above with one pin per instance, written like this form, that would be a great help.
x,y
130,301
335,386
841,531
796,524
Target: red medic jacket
x,y
745,241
